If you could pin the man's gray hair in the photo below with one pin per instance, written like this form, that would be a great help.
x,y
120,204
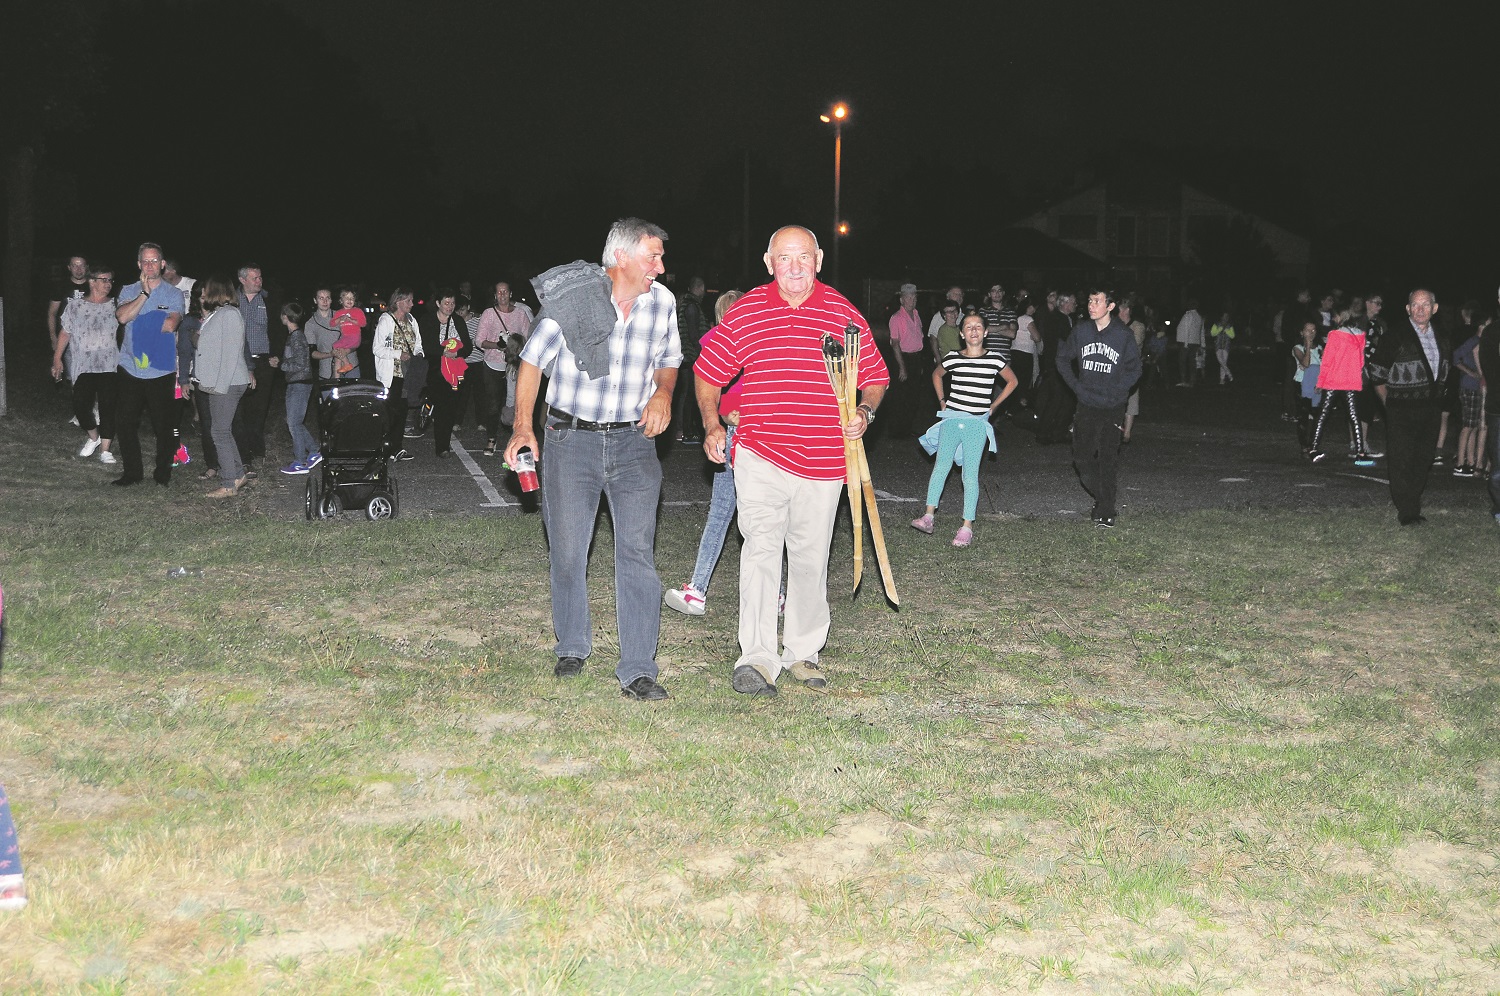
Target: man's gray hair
x,y
626,235
786,228
908,289
1421,290
248,267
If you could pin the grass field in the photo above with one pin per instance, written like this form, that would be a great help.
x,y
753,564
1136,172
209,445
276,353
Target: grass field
x,y
1210,753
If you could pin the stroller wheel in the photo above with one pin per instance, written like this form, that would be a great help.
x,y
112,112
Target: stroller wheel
x,y
380,507
320,504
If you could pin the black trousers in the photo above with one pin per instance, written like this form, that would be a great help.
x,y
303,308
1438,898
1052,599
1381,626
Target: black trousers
x,y
250,417
1054,409
154,397
96,387
1411,430
1096,454
205,430
395,406
446,402
916,399
494,396
686,418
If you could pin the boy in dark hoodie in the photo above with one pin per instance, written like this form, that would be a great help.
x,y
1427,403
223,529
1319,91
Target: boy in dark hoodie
x,y
1100,362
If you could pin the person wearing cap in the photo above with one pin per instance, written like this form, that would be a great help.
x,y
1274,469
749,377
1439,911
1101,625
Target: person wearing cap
x,y
912,367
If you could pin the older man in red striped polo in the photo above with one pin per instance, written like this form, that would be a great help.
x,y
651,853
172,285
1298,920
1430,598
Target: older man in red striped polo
x,y
788,453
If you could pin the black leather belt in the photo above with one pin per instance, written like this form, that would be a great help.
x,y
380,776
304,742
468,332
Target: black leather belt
x,y
574,422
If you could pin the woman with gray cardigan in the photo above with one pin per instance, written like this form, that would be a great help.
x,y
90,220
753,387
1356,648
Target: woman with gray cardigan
x,y
222,372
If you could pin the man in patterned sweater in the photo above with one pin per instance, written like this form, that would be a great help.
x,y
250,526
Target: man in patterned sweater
x,y
1409,368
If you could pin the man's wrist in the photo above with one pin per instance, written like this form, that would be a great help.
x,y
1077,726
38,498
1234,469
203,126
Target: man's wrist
x,y
869,412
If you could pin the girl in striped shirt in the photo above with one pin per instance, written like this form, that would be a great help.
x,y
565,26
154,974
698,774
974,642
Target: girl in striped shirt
x,y
968,403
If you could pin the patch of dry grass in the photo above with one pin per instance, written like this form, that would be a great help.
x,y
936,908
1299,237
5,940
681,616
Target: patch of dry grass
x,y
1166,759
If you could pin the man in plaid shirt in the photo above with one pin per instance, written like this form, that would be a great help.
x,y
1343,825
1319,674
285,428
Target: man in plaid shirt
x,y
607,339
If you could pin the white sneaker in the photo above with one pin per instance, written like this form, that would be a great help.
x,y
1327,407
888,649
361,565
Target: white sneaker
x,y
89,446
105,456
73,420
687,600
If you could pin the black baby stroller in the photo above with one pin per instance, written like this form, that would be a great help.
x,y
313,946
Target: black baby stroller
x,y
355,471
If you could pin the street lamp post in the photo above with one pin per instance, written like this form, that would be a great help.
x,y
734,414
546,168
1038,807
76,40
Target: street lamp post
x,y
836,116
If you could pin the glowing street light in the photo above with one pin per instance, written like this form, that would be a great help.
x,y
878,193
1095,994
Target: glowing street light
x,y
835,117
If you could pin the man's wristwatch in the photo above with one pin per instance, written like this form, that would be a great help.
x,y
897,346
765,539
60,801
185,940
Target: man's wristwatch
x,y
869,413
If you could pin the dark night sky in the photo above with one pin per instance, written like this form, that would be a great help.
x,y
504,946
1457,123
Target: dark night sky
x,y
476,136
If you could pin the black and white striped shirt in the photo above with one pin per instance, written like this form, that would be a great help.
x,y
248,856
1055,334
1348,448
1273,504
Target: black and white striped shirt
x,y
971,381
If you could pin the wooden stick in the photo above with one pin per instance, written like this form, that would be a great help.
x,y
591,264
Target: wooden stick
x,y
834,362
882,557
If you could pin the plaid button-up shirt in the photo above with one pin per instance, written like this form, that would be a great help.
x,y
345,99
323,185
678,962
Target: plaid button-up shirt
x,y
639,346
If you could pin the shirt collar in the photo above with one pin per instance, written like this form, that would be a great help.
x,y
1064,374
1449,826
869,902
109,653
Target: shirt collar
x,y
816,296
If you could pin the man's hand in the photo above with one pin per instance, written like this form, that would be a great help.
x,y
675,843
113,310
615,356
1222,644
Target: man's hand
x,y
521,439
713,443
658,414
856,425
275,361
57,368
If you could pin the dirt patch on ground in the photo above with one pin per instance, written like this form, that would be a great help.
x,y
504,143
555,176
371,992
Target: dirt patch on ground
x,y
303,943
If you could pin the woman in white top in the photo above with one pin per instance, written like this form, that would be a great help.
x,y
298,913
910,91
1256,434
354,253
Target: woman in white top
x,y
397,340
1024,350
89,324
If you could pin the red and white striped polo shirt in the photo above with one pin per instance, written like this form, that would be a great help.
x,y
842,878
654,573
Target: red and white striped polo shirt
x,y
788,413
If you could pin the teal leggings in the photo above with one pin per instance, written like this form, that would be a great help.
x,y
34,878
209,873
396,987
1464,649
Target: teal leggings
x,y
971,434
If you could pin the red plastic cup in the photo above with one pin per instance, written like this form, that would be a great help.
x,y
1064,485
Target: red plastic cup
x,y
525,469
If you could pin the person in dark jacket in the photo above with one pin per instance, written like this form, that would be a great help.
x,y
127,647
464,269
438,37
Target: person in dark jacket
x,y
444,396
1054,402
1100,362
1409,369
296,366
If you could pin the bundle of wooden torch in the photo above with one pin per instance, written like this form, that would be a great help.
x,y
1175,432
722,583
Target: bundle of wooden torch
x,y
841,359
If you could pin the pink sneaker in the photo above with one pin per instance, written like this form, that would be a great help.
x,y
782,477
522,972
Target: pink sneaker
x,y
687,600
923,525
965,537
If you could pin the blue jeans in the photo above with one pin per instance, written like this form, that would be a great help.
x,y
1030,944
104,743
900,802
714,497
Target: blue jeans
x,y
303,443
578,467
720,514
971,434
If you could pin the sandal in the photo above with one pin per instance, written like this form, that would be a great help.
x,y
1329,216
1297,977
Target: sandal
x,y
225,492
965,536
923,525
489,450
208,475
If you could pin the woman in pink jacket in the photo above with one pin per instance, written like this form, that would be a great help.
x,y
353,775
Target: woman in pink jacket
x,y
1340,377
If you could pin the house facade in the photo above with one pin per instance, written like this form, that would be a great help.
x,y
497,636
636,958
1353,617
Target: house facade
x,y
1143,229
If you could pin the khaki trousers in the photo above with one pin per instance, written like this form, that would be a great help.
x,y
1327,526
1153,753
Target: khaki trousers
x,y
780,513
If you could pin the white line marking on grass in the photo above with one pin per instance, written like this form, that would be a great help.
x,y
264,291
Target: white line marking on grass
x,y
1234,480
885,496
1366,477
496,499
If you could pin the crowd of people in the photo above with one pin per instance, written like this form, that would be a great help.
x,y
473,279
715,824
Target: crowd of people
x,y
619,360
204,357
